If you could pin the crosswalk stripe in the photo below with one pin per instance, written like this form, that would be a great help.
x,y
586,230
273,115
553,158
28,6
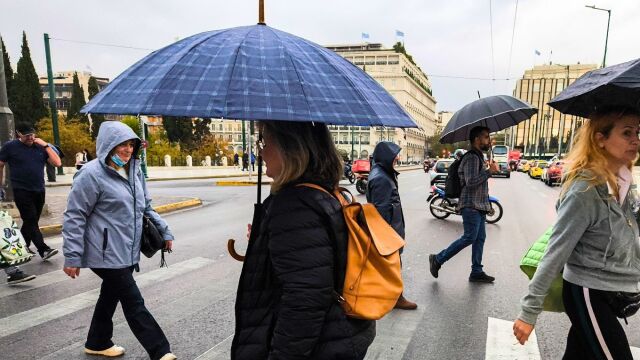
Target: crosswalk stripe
x,y
393,334
222,351
165,315
40,281
501,344
30,318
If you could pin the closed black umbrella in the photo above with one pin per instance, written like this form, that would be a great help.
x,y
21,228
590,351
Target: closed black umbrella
x,y
613,86
495,112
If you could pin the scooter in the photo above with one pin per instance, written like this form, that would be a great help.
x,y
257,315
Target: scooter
x,y
348,174
441,207
362,181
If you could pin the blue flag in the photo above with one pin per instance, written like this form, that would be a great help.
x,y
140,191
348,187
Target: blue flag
x,y
399,33
365,35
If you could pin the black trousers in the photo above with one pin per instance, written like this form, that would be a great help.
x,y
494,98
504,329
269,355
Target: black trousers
x,y
29,204
118,285
595,333
51,172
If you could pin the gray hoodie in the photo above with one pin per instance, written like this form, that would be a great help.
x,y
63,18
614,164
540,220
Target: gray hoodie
x,y
103,221
595,240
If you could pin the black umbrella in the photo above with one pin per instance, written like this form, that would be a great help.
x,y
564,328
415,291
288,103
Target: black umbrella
x,y
617,85
495,112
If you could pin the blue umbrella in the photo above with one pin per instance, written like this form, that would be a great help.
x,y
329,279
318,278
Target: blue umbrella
x,y
495,112
250,73
617,85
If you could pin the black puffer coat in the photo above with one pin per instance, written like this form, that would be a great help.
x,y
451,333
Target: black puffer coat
x,y
382,189
285,305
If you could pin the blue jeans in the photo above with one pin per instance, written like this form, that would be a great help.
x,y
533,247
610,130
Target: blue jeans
x,y
474,235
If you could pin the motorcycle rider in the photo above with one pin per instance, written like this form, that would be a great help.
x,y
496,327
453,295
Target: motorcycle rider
x,y
474,205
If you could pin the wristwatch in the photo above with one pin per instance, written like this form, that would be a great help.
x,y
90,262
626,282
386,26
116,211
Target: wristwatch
x,y
46,146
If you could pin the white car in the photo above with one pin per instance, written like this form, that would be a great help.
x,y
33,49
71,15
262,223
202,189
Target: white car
x,y
439,172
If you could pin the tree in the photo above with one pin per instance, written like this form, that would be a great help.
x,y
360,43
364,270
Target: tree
x,y
74,137
8,73
97,119
28,107
133,123
77,101
178,129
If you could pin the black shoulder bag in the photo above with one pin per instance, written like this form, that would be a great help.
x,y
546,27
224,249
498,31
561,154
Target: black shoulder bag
x,y
152,241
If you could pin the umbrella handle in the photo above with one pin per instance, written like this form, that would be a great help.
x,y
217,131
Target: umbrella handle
x,y
232,250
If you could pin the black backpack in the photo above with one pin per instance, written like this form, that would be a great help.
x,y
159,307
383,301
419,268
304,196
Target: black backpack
x,y
453,185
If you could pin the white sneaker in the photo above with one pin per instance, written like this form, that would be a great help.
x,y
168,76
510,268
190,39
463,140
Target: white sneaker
x,y
168,356
113,351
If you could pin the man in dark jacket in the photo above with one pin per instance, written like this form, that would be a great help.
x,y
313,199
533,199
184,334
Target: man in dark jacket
x,y
382,192
474,205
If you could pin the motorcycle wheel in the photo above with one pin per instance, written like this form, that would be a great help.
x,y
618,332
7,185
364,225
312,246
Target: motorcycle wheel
x,y
440,202
496,213
352,178
361,186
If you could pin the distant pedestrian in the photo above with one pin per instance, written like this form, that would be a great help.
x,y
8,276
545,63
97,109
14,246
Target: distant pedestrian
x,y
286,306
80,159
26,157
253,161
245,161
102,227
382,192
594,242
236,160
87,155
474,205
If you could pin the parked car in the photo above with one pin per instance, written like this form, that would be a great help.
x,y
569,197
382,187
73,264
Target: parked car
x,y
554,173
439,172
535,172
503,169
526,167
521,165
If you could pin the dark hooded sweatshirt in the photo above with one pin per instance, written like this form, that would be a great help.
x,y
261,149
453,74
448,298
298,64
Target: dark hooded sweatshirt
x,y
382,190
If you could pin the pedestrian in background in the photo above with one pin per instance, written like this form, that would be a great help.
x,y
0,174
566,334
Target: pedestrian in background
x,y
474,205
594,242
80,160
245,161
382,192
286,305
102,231
26,157
236,160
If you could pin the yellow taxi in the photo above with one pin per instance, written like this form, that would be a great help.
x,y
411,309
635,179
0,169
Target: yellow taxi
x,y
527,166
535,172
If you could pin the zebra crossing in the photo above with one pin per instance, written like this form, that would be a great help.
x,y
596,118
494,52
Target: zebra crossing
x,y
394,332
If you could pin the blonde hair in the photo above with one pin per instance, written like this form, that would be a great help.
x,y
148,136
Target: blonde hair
x,y
588,161
308,153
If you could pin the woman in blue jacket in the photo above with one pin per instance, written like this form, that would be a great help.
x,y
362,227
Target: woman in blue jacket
x,y
102,231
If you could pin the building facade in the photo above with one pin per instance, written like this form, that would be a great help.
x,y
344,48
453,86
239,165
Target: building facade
x,y
548,132
443,119
63,86
408,84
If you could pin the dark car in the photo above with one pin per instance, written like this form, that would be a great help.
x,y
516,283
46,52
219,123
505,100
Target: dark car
x,y
503,169
440,170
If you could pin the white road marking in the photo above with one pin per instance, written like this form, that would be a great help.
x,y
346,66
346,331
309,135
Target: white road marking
x,y
501,344
222,350
393,334
40,281
40,315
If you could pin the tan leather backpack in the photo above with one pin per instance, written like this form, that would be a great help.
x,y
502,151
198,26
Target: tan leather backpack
x,y
373,280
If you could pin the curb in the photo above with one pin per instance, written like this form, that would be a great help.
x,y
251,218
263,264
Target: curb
x,y
56,229
241,182
201,177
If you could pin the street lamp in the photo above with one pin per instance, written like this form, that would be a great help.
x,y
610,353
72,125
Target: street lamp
x,y
606,39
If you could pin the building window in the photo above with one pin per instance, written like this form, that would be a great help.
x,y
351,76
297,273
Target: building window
x,y
536,87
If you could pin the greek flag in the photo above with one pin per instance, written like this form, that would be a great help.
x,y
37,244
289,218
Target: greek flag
x,y
399,33
365,36
537,52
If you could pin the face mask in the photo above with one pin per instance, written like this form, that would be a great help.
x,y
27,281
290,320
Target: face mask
x,y
116,160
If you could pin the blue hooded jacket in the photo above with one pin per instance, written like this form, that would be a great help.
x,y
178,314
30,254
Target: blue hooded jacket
x,y
103,222
382,187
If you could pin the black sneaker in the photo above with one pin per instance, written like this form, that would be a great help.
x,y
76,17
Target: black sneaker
x,y
434,266
481,278
30,251
19,277
48,253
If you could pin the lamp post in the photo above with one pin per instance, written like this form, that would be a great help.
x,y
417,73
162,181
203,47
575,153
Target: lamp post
x,y
606,39
52,97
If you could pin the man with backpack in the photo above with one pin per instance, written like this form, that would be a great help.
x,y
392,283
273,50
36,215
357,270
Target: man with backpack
x,y
382,192
471,176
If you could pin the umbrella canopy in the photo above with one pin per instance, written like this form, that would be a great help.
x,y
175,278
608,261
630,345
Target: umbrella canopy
x,y
250,73
495,112
617,85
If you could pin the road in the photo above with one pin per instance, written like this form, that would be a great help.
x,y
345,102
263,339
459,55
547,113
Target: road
x,y
193,299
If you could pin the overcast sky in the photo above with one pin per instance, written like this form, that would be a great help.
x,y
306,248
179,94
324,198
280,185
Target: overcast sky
x,y
446,38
